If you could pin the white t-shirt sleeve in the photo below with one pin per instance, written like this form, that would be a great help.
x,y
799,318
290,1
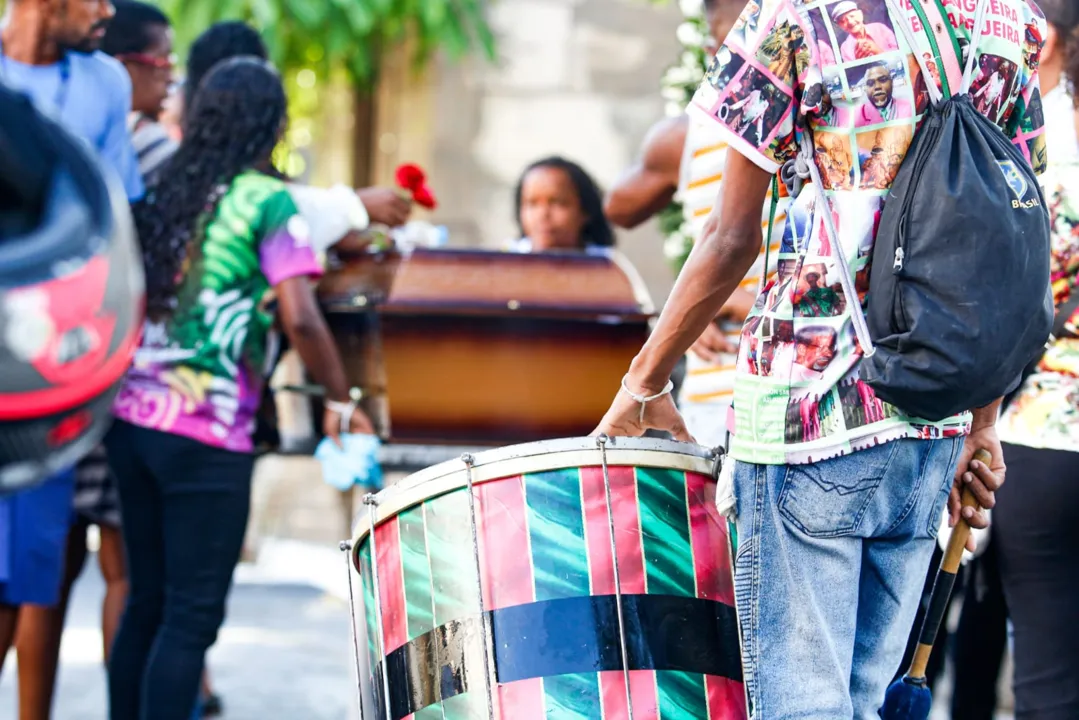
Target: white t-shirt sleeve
x,y
331,213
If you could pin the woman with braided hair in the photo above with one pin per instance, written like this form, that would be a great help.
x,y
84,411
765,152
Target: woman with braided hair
x,y
222,239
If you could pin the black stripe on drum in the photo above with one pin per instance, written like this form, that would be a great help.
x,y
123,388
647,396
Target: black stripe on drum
x,y
569,635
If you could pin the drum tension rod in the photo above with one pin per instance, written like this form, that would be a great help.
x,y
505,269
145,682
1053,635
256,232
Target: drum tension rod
x,y
372,502
601,443
345,546
470,462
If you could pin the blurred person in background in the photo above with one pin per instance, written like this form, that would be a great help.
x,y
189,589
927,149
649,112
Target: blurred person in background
x,y
1036,521
221,239
559,207
685,157
139,36
69,268
333,213
49,51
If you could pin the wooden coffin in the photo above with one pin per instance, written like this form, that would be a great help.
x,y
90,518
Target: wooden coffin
x,y
485,347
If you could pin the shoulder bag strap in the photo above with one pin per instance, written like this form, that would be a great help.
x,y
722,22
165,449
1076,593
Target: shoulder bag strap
x,y
768,237
900,20
972,50
846,280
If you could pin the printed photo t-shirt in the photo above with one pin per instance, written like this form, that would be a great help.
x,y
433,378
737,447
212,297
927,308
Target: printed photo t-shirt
x,y
844,70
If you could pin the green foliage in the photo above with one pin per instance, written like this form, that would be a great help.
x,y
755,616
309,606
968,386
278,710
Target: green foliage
x,y
328,35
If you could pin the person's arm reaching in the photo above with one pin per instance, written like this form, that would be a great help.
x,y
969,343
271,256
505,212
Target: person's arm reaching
x,y
288,262
648,186
718,262
732,238
335,213
385,205
308,333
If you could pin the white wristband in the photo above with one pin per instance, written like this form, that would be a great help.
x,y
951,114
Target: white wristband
x,y
345,410
645,399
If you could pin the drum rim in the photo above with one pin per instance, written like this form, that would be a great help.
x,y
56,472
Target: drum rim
x,y
409,492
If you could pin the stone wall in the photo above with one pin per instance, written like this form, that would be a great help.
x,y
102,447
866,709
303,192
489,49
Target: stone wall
x,y
579,78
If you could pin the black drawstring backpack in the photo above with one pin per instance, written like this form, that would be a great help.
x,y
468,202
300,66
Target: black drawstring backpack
x,y
959,294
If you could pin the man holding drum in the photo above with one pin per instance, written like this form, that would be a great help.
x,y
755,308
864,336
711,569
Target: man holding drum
x,y
838,495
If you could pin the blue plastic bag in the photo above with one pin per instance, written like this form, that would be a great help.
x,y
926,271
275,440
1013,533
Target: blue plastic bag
x,y
356,464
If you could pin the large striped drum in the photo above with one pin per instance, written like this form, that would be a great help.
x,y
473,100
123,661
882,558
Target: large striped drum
x,y
491,587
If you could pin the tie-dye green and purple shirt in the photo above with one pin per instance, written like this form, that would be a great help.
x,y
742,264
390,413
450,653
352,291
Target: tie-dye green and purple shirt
x,y
200,373
843,69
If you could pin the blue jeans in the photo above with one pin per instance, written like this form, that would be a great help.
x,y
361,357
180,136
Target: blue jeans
x,y
828,574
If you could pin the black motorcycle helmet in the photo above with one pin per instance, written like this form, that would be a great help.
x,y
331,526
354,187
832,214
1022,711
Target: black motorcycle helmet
x,y
71,295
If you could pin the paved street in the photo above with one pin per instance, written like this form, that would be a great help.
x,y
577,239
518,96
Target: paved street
x,y
284,652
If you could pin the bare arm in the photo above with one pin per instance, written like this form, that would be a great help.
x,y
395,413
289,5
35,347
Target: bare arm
x,y
307,331
739,304
720,259
648,186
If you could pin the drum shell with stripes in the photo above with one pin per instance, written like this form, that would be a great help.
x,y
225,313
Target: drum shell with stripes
x,y
548,589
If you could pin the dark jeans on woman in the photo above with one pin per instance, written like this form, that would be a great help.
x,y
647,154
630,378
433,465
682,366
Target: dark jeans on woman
x,y
980,640
1036,523
185,507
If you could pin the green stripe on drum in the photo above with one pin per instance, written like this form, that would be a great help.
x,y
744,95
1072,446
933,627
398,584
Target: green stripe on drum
x,y
452,559
572,697
471,705
370,611
431,712
668,552
681,695
416,568
556,534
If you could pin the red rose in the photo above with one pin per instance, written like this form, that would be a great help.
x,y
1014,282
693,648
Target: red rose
x,y
423,197
410,177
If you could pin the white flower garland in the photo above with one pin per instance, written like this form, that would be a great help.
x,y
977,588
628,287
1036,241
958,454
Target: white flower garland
x,y
677,88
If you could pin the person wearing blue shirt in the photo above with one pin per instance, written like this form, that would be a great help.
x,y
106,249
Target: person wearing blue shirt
x,y
48,50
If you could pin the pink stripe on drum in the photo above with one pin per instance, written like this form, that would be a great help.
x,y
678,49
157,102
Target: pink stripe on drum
x,y
627,525
642,689
627,528
711,553
391,585
597,530
505,556
726,698
522,700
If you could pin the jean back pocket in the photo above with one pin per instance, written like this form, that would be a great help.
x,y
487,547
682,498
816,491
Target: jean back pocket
x,y
830,498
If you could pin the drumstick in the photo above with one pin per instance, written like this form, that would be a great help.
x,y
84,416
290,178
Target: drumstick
x,y
909,698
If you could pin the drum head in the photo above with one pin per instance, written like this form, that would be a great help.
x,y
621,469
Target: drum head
x,y
530,458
